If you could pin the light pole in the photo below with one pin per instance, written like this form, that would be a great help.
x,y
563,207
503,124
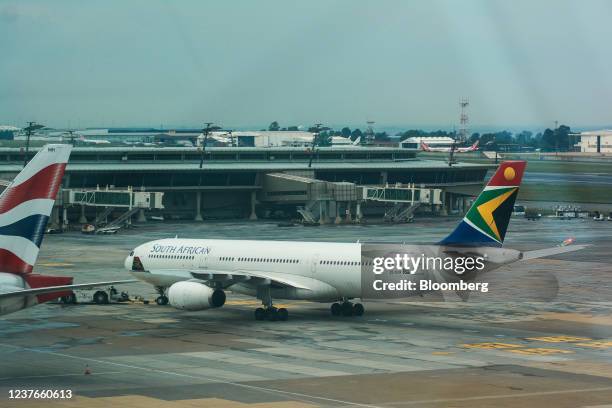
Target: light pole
x,y
205,132
32,126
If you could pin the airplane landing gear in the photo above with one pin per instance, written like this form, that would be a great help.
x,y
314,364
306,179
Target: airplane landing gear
x,y
271,313
162,299
347,308
268,311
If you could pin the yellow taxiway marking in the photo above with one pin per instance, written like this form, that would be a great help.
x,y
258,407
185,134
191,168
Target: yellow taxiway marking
x,y
258,303
491,346
597,344
55,264
242,302
539,351
559,339
442,353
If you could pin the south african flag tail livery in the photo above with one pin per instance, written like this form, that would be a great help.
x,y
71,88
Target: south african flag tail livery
x,y
486,222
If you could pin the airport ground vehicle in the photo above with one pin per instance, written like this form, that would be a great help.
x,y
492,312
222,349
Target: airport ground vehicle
x,y
99,296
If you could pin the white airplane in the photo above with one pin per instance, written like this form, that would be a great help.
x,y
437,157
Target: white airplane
x,y
82,139
426,148
195,272
25,207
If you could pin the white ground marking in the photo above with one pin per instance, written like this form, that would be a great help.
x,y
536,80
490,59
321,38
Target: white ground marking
x,y
198,377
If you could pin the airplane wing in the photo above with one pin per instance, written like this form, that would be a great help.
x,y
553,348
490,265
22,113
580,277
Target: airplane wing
x,y
541,253
62,288
229,278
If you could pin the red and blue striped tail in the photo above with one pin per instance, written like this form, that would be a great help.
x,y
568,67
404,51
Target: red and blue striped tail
x,y
25,208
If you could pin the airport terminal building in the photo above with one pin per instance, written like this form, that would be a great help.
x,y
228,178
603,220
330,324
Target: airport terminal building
x,y
278,182
596,141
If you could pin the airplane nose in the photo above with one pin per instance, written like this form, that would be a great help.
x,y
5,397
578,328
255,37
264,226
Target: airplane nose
x,y
129,261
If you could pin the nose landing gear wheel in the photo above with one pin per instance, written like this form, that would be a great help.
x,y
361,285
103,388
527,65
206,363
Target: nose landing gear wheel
x,y
260,313
161,300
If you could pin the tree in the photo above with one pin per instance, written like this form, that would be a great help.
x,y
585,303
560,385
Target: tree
x,y
292,128
548,139
524,137
562,135
475,136
346,132
503,137
356,134
323,139
381,136
413,133
487,139
274,126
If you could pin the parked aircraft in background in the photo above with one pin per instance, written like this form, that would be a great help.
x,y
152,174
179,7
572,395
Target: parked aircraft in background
x,y
194,273
426,148
83,140
25,207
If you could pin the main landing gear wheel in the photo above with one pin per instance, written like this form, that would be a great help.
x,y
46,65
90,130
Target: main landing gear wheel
x,y
282,314
358,309
336,309
260,313
347,309
271,314
268,311
162,300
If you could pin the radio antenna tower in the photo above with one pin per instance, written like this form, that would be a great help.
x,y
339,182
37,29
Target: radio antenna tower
x,y
463,120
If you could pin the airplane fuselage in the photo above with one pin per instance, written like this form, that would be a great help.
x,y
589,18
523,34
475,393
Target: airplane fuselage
x,y
331,270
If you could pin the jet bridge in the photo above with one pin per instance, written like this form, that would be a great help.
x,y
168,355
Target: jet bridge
x,y
111,200
318,200
405,199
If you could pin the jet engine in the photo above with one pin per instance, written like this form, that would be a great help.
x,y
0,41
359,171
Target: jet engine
x,y
194,296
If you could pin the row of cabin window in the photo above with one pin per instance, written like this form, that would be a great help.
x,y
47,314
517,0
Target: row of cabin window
x,y
173,256
271,260
346,263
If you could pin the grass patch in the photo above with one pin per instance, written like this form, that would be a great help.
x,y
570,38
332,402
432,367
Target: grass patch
x,y
592,193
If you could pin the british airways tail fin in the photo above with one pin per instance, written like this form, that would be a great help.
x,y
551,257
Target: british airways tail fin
x,y
487,220
25,207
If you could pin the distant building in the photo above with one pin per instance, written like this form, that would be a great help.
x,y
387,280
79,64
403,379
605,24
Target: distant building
x,y
596,141
432,141
265,138
8,132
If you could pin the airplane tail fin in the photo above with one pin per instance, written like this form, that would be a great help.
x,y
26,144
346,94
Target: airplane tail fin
x,y
424,147
475,145
25,208
487,219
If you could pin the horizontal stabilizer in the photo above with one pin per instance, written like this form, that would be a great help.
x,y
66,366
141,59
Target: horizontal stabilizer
x,y
62,288
541,253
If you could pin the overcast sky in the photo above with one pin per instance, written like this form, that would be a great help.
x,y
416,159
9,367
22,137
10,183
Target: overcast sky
x,y
242,63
